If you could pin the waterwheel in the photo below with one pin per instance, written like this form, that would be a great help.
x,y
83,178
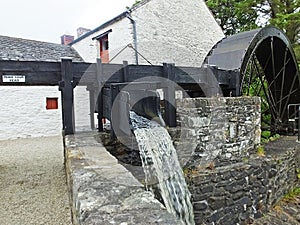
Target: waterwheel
x,y
267,67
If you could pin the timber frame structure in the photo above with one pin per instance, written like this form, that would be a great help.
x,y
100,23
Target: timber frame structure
x,y
255,63
67,75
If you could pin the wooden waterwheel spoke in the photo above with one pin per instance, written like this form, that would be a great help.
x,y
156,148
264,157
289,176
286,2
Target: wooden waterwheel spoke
x,y
273,73
267,94
250,77
257,93
283,79
291,90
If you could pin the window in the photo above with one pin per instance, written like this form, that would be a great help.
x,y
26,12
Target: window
x,y
104,45
51,103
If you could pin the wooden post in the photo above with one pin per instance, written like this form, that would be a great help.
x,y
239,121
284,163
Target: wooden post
x,y
238,85
169,95
125,71
67,96
99,75
114,113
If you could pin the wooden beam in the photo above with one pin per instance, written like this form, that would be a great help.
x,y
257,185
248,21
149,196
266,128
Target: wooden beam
x,y
114,91
86,73
49,73
99,82
36,73
125,71
169,95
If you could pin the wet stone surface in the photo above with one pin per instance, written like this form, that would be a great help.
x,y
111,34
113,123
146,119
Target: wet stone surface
x,y
103,191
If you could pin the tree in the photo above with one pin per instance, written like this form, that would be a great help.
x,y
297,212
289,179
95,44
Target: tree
x,y
234,15
240,15
285,14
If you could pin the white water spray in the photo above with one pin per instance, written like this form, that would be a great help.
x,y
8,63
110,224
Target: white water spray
x,y
162,168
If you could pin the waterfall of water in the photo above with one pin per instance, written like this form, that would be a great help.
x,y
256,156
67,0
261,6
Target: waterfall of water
x,y
162,168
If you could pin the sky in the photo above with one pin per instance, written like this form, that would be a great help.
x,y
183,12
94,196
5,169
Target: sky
x,y
47,20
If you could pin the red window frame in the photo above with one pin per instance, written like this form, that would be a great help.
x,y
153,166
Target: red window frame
x,y
104,46
51,103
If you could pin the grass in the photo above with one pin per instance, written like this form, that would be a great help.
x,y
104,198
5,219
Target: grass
x,y
267,137
260,151
298,173
292,195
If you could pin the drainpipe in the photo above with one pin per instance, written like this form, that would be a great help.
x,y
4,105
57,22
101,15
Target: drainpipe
x,y
134,36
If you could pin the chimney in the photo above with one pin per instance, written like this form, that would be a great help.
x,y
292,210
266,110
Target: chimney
x,y
66,39
81,31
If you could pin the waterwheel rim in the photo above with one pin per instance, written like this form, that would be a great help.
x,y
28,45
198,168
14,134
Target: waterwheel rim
x,y
264,59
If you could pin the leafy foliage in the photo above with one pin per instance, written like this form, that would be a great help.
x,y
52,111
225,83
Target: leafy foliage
x,y
234,15
134,4
254,84
297,53
284,14
240,15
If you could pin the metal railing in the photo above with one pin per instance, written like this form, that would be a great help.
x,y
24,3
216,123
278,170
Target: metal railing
x,y
294,117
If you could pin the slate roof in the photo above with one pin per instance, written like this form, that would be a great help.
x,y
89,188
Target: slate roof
x,y
12,48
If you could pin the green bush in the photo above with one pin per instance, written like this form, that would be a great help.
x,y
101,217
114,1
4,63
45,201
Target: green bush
x,y
297,53
266,134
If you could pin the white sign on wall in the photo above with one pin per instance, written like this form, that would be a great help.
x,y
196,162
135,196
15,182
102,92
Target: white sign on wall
x,y
13,78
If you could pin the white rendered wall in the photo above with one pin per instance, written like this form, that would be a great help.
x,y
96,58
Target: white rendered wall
x,y
82,109
173,31
87,49
119,38
176,31
23,112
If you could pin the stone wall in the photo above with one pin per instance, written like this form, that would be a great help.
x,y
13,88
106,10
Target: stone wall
x,y
240,192
102,191
216,130
233,185
216,140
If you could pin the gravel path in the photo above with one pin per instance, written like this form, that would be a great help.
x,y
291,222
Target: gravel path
x,y
33,186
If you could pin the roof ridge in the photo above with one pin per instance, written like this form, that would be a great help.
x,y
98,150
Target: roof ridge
x,y
15,48
27,39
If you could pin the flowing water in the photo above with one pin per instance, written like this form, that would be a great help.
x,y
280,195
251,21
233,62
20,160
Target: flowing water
x,y
162,168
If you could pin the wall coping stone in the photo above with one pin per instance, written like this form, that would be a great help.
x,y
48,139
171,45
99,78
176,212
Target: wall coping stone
x,y
102,191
